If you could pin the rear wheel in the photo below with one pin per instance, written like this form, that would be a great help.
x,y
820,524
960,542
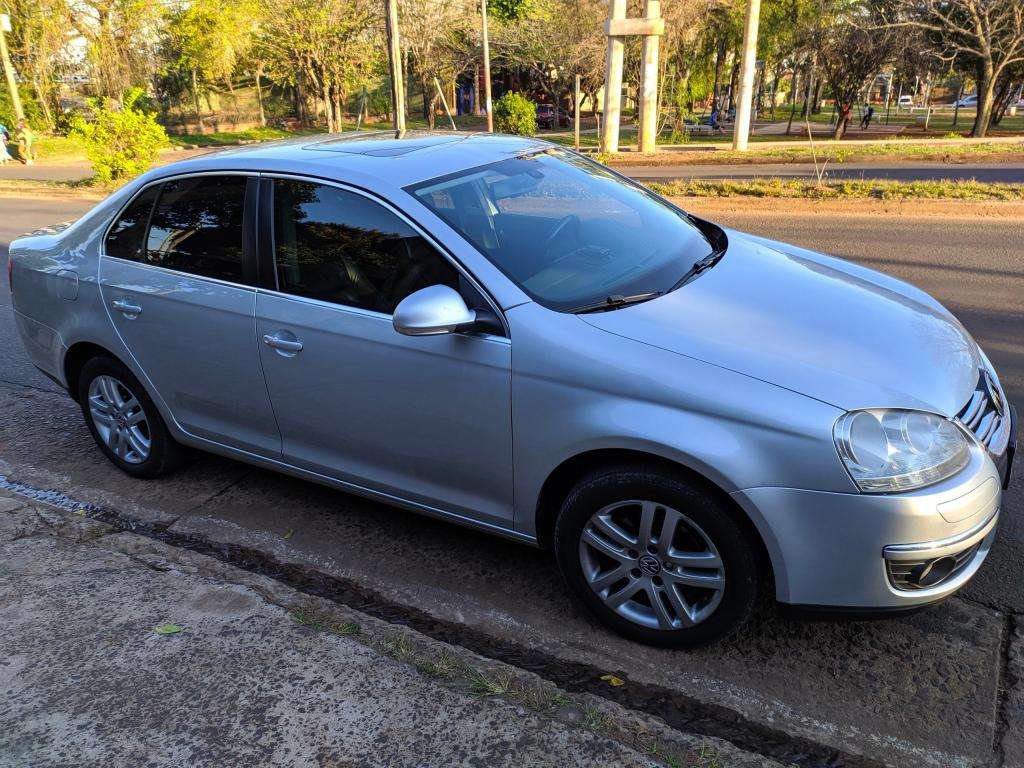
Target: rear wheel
x,y
123,420
657,557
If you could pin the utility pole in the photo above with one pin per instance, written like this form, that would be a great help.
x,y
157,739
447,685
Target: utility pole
x,y
395,65
647,135
613,79
12,82
487,65
576,114
748,63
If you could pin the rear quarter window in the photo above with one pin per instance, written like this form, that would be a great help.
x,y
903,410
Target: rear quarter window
x,y
127,237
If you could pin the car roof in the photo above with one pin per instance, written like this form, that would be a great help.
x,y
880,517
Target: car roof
x,y
374,158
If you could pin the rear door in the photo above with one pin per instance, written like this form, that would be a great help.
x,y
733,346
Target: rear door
x,y
426,419
178,279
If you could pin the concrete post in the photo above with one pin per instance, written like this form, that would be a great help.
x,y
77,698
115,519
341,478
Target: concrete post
x,y
648,133
576,114
487,65
5,59
613,80
395,63
748,62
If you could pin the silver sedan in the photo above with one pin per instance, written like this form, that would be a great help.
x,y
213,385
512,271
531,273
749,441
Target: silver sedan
x,y
507,335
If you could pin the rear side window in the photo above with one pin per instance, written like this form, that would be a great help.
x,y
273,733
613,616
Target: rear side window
x,y
196,227
340,247
126,238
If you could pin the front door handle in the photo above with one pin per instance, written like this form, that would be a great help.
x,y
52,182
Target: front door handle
x,y
126,307
284,345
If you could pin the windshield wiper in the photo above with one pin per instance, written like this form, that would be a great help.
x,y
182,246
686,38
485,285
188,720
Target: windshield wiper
x,y
698,267
615,301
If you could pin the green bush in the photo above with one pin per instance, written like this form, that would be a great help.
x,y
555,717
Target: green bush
x,y
33,112
120,142
515,114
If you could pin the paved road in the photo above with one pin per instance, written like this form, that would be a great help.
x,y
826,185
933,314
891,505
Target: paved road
x,y
933,689
1007,173
920,171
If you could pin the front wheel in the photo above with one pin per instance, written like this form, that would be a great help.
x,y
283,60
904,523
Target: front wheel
x,y
656,557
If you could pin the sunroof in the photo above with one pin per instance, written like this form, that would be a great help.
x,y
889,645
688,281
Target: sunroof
x,y
376,145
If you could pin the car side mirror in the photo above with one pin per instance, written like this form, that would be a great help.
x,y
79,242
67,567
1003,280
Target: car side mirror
x,y
432,311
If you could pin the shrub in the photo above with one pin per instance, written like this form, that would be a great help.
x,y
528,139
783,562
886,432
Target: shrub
x,y
33,112
515,114
120,142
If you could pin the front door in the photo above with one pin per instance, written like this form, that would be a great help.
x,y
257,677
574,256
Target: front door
x,y
178,286
426,419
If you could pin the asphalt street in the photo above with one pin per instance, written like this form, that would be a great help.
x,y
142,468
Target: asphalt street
x,y
1006,173
938,688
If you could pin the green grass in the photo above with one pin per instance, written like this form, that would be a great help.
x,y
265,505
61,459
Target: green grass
x,y
54,149
228,138
835,190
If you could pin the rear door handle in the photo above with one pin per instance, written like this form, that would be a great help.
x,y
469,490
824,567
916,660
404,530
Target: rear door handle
x,y
285,345
125,306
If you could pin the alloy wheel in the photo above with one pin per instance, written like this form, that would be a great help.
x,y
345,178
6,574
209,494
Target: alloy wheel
x,y
120,419
652,565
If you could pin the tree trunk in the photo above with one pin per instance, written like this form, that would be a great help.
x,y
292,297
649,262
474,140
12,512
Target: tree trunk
x,y
1007,90
258,76
843,109
195,100
986,95
719,63
816,101
43,102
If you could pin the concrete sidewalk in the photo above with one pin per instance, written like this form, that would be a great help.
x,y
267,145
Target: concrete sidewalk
x,y
120,650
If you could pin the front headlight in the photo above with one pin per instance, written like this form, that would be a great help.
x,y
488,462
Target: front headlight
x,y
888,450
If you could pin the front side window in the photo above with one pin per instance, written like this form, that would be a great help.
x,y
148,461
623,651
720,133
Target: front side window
x,y
127,237
340,247
566,230
196,227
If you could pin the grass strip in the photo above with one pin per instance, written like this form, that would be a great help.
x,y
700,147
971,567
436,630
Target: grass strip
x,y
879,189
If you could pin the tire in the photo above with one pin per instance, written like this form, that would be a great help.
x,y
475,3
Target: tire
x,y
706,578
105,383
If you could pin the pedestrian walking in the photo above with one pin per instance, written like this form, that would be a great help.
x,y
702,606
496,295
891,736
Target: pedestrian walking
x,y
25,139
865,122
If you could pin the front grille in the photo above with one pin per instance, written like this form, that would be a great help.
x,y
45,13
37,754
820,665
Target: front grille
x,y
901,571
987,415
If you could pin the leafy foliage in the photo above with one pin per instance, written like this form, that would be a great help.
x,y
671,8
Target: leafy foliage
x,y
515,114
510,10
33,113
120,142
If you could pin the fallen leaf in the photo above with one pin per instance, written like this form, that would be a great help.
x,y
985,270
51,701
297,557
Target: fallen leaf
x,y
167,629
613,680
288,533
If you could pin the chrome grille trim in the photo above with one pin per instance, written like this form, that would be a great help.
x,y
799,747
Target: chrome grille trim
x,y
899,571
987,418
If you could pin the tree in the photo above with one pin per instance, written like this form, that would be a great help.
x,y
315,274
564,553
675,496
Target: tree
x,y
852,47
206,40
328,47
989,33
438,36
38,42
120,36
556,41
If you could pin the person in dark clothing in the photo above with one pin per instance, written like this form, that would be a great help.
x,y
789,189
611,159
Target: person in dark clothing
x,y
865,122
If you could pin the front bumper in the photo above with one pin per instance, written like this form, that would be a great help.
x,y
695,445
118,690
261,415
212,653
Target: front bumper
x,y
856,551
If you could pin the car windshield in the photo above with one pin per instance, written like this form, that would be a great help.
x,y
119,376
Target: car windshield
x,y
568,231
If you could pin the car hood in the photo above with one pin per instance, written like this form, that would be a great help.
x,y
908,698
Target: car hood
x,y
820,326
